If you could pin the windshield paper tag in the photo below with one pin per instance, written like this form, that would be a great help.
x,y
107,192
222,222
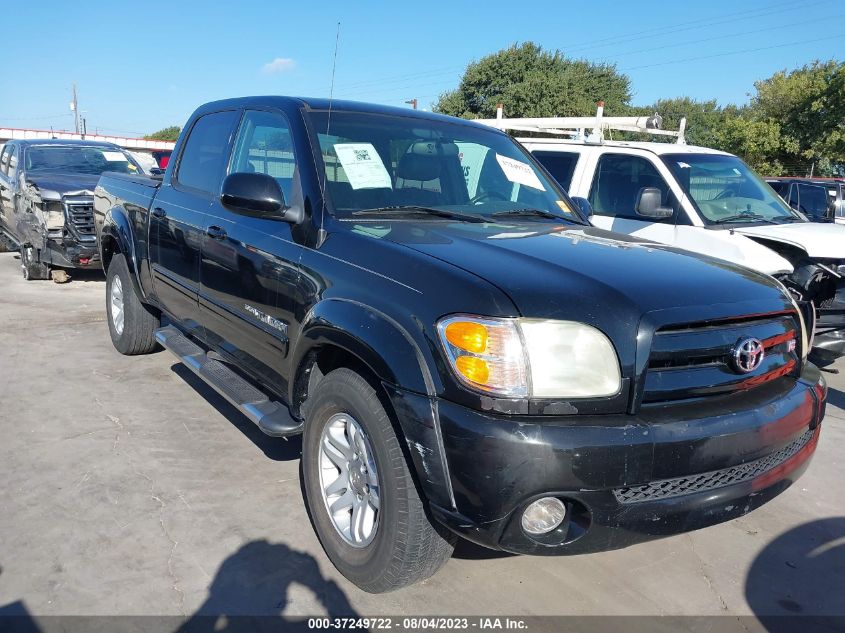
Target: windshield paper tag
x,y
363,166
519,172
114,157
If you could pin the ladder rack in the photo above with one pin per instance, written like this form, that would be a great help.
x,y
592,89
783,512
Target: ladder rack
x,y
588,128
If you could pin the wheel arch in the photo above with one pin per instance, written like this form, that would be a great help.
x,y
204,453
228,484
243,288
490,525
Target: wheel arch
x,y
116,236
343,333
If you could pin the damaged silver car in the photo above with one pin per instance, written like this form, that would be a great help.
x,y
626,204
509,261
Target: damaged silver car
x,y
47,202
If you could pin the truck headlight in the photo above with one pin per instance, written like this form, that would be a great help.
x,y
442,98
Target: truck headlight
x,y
536,358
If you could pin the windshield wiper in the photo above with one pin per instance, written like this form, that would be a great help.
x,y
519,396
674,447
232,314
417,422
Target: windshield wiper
x,y
418,210
787,219
531,212
745,216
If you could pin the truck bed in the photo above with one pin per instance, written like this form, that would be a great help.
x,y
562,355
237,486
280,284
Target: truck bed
x,y
133,192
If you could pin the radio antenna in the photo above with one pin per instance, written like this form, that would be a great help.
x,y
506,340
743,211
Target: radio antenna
x,y
322,233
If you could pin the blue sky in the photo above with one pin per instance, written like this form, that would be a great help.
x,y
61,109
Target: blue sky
x,y
140,66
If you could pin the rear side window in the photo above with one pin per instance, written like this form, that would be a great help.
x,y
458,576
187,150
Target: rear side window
x,y
561,165
782,188
812,200
204,157
617,184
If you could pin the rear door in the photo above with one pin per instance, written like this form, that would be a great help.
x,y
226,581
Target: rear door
x,y
250,265
180,212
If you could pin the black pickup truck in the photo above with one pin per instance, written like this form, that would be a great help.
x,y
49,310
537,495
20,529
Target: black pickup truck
x,y
462,352
46,202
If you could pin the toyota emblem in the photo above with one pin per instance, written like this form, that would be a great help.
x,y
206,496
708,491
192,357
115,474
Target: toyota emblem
x,y
748,354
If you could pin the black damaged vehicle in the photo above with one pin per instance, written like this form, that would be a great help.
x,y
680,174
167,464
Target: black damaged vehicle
x,y
46,202
462,352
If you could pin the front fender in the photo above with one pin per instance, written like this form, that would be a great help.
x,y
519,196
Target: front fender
x,y
117,227
375,338
391,352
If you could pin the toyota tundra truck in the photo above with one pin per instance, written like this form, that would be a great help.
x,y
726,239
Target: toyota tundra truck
x,y
462,359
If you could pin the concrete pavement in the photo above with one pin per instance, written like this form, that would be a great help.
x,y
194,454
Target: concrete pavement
x,y
128,487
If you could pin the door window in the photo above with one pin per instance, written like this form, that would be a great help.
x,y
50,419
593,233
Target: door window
x,y
560,164
812,200
264,146
618,182
12,168
204,156
4,159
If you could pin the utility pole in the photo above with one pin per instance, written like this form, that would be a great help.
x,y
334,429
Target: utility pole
x,y
412,103
84,128
74,106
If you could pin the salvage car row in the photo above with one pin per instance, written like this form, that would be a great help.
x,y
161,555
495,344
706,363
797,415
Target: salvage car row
x,y
466,352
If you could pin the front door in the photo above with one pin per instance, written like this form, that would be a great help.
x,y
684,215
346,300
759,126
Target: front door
x,y
250,265
180,211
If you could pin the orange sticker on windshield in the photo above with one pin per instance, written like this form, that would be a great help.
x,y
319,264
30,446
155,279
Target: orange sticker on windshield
x,y
563,206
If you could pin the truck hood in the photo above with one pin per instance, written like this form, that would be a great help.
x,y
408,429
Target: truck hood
x,y
63,184
816,239
585,273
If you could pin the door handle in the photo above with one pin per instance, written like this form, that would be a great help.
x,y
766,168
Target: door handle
x,y
158,212
215,232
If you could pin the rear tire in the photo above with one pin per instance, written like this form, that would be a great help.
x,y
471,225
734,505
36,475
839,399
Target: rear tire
x,y
406,546
132,325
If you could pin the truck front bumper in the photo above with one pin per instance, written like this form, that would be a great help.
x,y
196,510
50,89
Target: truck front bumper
x,y
68,252
624,478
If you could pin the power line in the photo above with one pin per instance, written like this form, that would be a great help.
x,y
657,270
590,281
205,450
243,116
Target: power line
x,y
746,50
695,24
721,37
397,80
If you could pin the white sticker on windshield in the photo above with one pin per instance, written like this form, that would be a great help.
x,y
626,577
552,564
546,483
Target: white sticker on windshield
x,y
519,172
114,157
363,166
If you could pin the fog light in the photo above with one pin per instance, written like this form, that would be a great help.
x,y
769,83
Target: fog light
x,y
543,516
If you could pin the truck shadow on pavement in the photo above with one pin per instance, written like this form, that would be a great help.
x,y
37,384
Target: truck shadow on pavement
x,y
277,449
796,582
250,591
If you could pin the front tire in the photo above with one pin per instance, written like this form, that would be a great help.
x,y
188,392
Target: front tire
x,y
31,266
352,459
132,325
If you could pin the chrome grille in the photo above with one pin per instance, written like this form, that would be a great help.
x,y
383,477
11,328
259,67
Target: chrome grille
x,y
80,215
715,479
694,361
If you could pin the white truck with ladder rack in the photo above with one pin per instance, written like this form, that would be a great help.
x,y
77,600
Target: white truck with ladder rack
x,y
695,198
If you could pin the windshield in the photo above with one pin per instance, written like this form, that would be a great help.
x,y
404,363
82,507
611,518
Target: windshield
x,y
395,164
726,190
77,159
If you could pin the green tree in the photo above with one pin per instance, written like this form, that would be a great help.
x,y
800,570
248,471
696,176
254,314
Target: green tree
x,y
167,134
728,128
533,82
703,118
808,104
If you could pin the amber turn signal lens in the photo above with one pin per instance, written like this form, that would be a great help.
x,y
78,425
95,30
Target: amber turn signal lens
x,y
467,335
473,369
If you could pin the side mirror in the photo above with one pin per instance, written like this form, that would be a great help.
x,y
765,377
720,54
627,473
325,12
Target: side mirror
x,y
584,206
156,171
253,194
648,204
